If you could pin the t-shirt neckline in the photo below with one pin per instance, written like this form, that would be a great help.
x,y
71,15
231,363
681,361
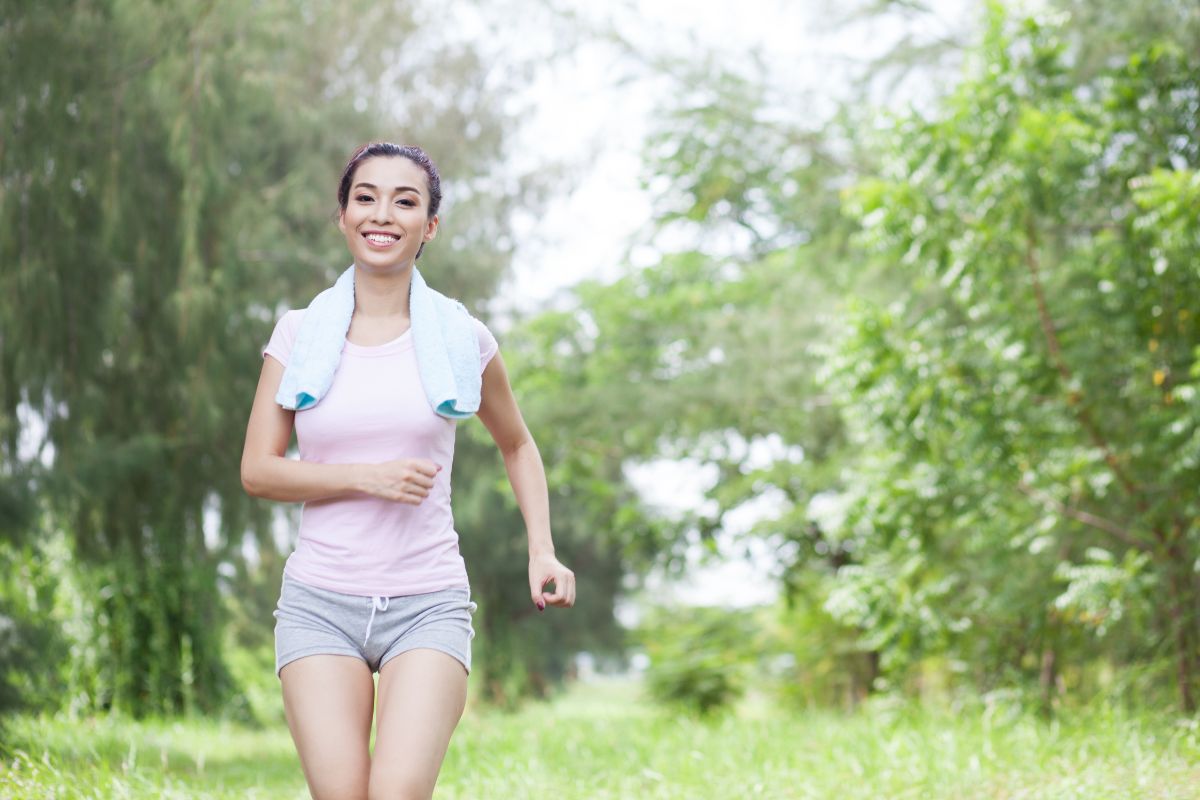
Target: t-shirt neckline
x,y
401,342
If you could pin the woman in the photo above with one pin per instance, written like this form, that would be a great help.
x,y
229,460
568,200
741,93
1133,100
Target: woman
x,y
376,582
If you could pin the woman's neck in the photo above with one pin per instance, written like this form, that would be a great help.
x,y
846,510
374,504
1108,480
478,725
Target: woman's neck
x,y
382,295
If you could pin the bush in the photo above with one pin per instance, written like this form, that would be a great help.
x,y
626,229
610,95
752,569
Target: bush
x,y
698,656
32,646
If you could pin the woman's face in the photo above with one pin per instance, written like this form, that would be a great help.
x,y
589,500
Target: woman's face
x,y
386,218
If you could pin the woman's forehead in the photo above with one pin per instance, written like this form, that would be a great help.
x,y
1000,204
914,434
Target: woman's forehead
x,y
390,172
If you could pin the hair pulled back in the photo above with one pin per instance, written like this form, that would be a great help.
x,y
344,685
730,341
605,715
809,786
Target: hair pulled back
x,y
389,150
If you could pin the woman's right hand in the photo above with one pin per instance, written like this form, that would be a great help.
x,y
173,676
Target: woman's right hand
x,y
405,480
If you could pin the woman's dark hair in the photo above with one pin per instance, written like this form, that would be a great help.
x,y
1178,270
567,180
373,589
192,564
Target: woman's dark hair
x,y
389,150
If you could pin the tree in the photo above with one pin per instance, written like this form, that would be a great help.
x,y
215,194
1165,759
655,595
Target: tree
x,y
166,179
1028,404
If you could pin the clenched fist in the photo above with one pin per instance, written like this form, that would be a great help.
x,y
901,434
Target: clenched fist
x,y
405,480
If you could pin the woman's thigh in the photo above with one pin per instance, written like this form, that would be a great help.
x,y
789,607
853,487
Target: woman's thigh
x,y
422,694
328,702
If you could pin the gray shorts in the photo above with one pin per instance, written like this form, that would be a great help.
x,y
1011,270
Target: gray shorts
x,y
312,621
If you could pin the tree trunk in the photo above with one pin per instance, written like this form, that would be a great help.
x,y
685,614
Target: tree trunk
x,y
1048,677
1181,624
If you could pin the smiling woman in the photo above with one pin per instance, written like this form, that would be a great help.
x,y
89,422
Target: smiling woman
x,y
377,583
386,179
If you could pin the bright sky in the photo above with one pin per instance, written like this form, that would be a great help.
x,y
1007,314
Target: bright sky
x,y
597,107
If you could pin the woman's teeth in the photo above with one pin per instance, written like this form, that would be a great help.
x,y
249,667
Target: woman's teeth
x,y
382,239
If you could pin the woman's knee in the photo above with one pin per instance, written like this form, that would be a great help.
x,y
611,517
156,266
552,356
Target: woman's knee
x,y
399,784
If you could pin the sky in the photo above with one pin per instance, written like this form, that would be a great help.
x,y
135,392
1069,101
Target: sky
x,y
593,109
598,105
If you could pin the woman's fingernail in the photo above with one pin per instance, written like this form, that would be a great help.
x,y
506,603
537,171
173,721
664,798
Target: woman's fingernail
x,y
541,606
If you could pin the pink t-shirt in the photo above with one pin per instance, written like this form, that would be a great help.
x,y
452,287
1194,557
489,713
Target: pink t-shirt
x,y
376,411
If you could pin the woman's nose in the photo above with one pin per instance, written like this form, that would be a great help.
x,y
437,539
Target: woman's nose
x,y
382,212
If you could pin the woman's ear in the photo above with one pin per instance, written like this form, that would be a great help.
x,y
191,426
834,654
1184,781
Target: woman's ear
x,y
431,228
341,219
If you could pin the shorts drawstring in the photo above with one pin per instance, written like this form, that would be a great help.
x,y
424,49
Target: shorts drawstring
x,y
375,606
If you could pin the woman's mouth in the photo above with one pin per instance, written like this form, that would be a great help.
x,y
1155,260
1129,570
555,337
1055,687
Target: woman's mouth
x,y
381,240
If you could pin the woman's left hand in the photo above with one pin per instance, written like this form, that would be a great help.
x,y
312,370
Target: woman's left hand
x,y
542,570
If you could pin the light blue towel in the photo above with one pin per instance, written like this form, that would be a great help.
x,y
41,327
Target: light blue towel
x,y
447,348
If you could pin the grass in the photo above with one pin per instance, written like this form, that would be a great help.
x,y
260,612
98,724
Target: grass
x,y
604,741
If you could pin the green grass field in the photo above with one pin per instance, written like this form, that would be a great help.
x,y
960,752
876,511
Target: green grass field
x,y
604,741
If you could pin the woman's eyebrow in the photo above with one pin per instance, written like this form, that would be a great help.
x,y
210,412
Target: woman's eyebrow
x,y
412,189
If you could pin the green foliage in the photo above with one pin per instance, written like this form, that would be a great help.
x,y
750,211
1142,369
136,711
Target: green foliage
x,y
1028,402
257,701
698,656
32,646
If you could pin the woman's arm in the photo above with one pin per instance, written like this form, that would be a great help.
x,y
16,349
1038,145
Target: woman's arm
x,y
500,415
266,472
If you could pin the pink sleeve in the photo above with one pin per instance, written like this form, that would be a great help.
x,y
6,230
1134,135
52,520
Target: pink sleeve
x,y
284,336
488,347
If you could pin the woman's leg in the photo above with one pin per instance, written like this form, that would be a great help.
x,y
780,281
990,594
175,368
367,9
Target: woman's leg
x,y
328,702
422,694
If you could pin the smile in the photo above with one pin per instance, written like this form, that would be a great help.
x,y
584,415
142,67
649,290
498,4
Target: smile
x,y
378,239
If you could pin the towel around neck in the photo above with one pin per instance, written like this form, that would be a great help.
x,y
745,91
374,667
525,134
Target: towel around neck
x,y
444,339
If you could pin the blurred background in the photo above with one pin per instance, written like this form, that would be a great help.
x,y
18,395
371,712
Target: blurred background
x,y
859,338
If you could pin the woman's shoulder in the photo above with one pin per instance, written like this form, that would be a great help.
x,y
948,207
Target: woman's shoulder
x,y
284,335
289,323
488,346
292,317
456,309
481,329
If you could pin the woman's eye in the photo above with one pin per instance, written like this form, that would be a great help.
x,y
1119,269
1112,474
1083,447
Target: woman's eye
x,y
364,198
406,203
